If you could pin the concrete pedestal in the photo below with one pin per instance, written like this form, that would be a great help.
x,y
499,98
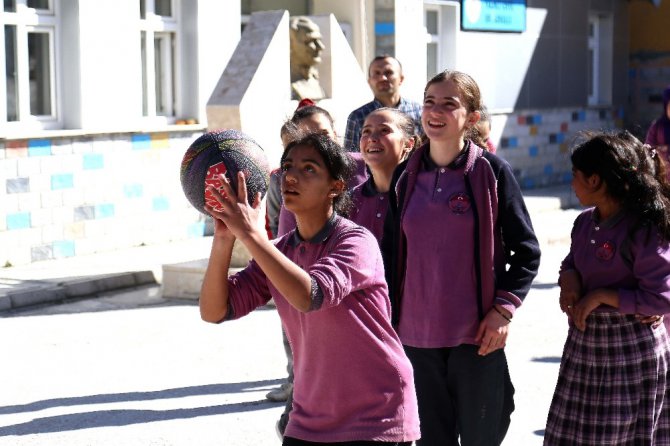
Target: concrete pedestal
x,y
184,280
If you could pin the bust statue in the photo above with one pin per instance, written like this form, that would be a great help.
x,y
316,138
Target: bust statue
x,y
306,48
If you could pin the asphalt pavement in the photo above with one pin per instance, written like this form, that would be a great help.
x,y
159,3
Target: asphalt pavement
x,y
123,365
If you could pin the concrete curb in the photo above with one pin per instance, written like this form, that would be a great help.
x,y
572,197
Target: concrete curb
x,y
25,293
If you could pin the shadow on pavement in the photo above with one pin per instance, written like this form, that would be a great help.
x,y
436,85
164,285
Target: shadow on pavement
x,y
543,286
549,359
181,392
124,417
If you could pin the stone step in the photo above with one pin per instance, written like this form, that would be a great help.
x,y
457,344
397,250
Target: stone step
x,y
184,280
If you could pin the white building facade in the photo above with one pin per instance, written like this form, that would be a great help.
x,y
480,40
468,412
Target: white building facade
x,y
99,99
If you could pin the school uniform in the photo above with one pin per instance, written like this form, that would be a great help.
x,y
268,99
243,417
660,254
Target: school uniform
x,y
450,233
369,207
353,380
613,380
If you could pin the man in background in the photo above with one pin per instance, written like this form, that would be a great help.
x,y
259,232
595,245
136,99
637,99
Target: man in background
x,y
384,78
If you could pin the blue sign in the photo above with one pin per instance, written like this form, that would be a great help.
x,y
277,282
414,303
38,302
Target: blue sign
x,y
501,15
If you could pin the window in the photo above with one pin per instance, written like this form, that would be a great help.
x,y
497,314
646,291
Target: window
x,y
29,80
432,23
158,48
592,63
442,25
599,63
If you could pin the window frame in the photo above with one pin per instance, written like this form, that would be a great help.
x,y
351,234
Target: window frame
x,y
434,39
31,21
593,64
600,59
164,30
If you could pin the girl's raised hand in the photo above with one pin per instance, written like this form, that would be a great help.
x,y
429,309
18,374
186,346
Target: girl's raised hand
x,y
236,219
221,231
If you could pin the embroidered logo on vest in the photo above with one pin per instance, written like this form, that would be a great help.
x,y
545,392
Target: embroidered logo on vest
x,y
606,251
459,203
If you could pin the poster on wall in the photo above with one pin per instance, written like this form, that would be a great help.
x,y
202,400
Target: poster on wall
x,y
496,16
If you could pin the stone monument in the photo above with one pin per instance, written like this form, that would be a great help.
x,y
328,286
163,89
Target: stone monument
x,y
306,48
254,95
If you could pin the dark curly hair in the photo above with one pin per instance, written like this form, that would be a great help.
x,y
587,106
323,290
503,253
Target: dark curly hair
x,y
635,175
339,164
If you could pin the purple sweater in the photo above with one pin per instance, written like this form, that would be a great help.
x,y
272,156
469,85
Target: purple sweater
x,y
606,257
505,250
352,378
439,200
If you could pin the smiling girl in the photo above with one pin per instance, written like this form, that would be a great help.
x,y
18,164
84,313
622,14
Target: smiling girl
x,y
461,255
386,140
353,382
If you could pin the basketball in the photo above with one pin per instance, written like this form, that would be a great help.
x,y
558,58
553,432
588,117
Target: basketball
x,y
223,152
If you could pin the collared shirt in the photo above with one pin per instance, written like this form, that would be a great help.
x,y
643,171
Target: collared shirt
x,y
439,311
352,136
508,254
605,256
369,207
353,380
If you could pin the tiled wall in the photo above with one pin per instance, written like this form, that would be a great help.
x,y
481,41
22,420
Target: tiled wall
x,y
537,143
63,197
68,196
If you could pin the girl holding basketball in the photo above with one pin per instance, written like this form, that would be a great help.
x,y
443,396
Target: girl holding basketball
x,y
307,118
353,382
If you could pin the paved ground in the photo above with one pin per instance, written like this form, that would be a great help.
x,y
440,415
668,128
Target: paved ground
x,y
129,369
132,368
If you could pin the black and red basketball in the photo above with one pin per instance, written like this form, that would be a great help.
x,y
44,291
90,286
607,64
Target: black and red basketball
x,y
223,152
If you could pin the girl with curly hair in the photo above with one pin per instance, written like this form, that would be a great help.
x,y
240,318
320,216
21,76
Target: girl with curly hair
x,y
615,286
